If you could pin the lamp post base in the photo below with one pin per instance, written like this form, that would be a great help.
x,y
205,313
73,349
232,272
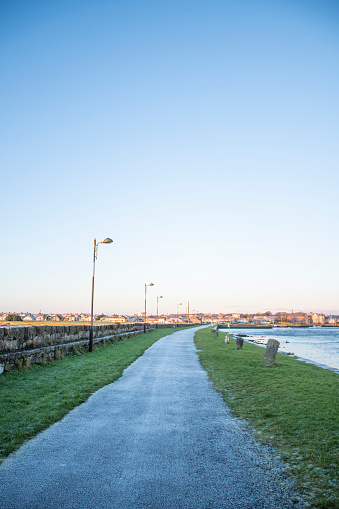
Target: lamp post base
x,y
90,344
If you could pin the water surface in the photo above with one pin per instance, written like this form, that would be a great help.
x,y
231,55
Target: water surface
x,y
319,345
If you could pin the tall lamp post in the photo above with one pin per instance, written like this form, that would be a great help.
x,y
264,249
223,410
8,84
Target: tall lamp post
x,y
161,297
95,256
151,284
180,304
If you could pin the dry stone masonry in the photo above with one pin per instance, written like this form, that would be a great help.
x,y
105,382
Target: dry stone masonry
x,y
22,346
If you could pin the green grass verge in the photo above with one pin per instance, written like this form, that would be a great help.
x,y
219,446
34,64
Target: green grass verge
x,y
291,405
33,399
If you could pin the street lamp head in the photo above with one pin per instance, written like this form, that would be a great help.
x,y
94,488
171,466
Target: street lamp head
x,y
107,241
161,297
151,284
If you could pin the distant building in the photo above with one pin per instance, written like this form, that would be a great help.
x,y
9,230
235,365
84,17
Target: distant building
x,y
331,320
84,318
317,319
115,319
243,320
261,319
28,318
74,318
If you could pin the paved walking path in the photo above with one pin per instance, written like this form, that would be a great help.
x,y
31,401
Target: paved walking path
x,y
159,437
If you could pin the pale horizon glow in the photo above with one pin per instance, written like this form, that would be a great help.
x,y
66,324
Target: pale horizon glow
x,y
201,137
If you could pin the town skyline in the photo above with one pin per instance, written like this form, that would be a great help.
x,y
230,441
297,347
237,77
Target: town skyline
x,y
266,317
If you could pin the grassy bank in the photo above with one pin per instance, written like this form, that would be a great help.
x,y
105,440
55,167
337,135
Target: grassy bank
x,y
33,399
292,405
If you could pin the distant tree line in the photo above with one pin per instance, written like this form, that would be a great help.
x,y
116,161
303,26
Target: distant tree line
x,y
12,317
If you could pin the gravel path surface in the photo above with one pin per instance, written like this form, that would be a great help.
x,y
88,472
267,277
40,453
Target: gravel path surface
x,y
159,437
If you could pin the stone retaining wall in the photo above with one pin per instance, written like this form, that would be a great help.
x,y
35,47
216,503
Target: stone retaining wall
x,y
22,346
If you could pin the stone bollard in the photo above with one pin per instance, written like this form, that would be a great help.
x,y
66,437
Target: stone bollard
x,y
238,343
215,333
227,338
270,352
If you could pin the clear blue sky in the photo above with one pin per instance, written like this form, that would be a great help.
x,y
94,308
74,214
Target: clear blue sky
x,y
202,136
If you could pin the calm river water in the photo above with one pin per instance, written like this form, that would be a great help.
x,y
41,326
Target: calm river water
x,y
319,345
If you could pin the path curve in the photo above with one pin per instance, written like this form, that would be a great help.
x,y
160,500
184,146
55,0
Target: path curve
x,y
159,437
